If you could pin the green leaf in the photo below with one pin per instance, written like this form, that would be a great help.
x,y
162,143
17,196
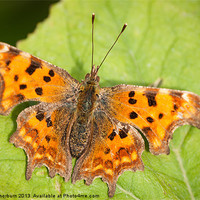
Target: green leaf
x,y
161,41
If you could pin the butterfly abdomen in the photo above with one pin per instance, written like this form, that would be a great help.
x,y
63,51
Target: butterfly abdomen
x,y
79,136
80,133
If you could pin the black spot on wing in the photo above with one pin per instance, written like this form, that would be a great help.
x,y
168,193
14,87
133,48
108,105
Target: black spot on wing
x,y
39,91
122,134
20,97
8,62
150,119
175,107
151,97
160,116
46,79
40,116
47,138
131,94
132,101
112,135
133,115
22,86
33,66
16,77
51,73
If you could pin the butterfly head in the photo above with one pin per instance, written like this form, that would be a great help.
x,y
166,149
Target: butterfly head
x,y
92,76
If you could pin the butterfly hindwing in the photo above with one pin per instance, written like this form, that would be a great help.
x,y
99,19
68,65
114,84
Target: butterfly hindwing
x,y
114,148
155,112
43,133
24,77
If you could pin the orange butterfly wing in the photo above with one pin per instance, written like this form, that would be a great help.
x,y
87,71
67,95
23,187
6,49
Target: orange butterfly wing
x,y
155,112
24,77
114,148
42,131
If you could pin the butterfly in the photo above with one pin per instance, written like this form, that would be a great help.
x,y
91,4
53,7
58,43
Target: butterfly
x,y
101,127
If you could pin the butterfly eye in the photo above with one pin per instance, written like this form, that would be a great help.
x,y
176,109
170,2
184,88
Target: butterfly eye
x,y
87,76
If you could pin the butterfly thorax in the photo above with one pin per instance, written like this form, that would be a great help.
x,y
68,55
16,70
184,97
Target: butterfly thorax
x,y
86,104
88,92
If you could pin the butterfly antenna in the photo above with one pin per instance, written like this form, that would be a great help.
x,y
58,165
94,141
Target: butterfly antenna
x,y
93,17
123,28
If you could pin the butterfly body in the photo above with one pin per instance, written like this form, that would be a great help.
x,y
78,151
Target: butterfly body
x,y
99,126
80,133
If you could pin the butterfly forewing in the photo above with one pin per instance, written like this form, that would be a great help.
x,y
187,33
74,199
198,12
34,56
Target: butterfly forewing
x,y
24,77
155,112
42,129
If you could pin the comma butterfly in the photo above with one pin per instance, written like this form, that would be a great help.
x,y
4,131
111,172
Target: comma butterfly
x,y
98,126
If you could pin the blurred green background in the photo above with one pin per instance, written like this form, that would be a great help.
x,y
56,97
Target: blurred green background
x,y
18,18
